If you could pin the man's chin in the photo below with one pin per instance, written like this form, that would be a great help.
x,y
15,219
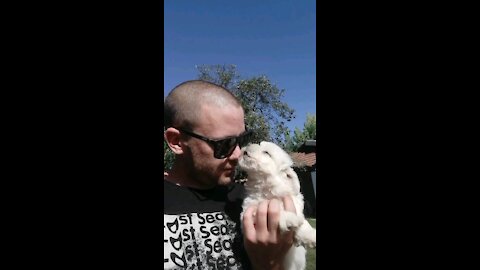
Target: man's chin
x,y
225,180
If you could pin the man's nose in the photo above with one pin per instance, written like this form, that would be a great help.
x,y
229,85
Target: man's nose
x,y
236,153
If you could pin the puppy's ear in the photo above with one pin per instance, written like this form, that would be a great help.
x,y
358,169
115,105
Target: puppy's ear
x,y
292,179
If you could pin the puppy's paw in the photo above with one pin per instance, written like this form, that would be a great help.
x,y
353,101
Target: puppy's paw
x,y
289,221
306,236
306,240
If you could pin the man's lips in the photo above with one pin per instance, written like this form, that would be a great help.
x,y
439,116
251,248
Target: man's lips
x,y
229,170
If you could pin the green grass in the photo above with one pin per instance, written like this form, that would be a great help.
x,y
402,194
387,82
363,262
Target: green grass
x,y
311,255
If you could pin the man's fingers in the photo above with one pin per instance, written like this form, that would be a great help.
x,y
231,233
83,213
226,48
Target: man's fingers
x,y
273,215
248,224
288,204
273,219
261,225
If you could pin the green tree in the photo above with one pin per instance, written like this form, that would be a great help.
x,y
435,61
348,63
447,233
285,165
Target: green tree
x,y
223,75
168,157
309,132
265,112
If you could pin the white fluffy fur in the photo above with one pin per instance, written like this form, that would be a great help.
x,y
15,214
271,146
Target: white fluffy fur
x,y
270,175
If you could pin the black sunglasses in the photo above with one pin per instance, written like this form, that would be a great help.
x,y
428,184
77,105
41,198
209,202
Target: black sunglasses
x,y
223,148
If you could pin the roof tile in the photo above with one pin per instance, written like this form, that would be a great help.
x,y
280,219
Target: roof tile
x,y
304,159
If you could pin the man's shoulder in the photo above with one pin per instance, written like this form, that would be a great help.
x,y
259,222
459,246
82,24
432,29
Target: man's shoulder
x,y
170,187
233,189
167,183
173,192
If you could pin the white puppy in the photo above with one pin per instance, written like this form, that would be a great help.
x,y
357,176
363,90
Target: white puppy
x,y
270,175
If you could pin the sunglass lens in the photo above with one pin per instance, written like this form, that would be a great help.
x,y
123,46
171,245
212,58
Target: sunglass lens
x,y
244,140
226,147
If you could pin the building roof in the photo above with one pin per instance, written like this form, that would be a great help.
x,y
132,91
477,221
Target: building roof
x,y
306,155
304,159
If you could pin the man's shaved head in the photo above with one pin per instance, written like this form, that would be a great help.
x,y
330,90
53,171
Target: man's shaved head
x,y
182,105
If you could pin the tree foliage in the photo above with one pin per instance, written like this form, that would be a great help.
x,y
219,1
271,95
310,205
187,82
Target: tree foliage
x,y
265,112
309,132
168,156
223,75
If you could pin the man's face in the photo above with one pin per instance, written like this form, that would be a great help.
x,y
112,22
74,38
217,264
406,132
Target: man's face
x,y
215,123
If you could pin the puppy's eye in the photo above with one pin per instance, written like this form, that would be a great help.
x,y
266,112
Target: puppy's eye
x,y
289,176
265,152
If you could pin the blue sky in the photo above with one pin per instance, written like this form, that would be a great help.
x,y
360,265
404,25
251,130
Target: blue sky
x,y
272,38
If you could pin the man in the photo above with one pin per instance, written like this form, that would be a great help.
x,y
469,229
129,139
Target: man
x,y
205,129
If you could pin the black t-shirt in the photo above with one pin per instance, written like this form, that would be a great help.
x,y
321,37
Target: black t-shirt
x,y
202,228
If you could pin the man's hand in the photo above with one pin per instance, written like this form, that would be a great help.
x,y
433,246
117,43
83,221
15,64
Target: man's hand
x,y
264,244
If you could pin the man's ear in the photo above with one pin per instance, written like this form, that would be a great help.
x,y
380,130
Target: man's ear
x,y
172,137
